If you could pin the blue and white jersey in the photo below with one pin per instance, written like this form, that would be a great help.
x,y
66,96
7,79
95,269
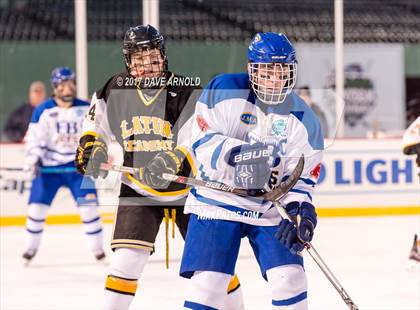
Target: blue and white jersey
x,y
53,134
227,115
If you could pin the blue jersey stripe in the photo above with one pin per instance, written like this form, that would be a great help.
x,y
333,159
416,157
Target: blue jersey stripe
x,y
203,140
49,104
34,231
225,87
94,232
216,154
91,221
290,301
197,306
36,220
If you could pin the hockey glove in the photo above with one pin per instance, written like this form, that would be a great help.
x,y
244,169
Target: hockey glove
x,y
252,166
163,162
91,152
293,236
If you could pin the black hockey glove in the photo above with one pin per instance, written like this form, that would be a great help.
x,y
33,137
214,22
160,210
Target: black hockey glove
x,y
293,236
163,162
252,164
91,152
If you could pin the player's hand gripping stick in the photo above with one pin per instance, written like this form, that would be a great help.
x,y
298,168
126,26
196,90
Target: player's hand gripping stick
x,y
278,192
319,261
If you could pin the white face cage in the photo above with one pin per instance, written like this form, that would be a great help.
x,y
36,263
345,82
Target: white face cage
x,y
272,82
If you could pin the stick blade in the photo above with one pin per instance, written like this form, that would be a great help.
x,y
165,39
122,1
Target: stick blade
x,y
285,186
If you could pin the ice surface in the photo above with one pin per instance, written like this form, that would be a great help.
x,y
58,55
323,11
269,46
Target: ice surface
x,y
367,254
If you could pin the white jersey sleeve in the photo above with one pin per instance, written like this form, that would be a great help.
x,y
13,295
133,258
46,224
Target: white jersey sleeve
x,y
304,138
211,142
96,119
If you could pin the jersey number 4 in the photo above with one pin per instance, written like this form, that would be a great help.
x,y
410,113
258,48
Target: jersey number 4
x,y
91,113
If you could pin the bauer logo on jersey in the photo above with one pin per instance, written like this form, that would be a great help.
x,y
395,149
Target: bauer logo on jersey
x,y
279,128
248,119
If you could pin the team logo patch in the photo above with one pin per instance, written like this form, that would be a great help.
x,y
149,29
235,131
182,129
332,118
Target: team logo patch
x,y
316,171
202,123
279,128
248,119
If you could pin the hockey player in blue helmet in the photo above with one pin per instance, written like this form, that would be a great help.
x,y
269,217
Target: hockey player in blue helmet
x,y
272,67
63,81
248,131
51,142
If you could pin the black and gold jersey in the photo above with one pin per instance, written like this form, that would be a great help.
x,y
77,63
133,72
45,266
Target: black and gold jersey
x,y
145,117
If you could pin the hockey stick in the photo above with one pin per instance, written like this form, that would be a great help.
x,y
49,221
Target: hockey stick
x,y
43,169
321,264
278,192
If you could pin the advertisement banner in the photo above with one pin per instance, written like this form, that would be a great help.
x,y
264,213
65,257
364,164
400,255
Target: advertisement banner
x,y
368,174
374,85
358,177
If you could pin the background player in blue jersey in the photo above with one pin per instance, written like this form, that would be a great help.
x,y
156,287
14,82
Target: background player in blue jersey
x,y
249,131
51,141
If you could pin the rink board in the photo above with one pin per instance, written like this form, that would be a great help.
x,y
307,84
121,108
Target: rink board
x,y
358,177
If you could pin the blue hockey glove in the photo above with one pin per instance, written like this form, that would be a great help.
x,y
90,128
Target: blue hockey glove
x,y
252,168
293,236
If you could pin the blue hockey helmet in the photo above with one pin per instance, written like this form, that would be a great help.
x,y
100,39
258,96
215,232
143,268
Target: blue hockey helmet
x,y
61,74
271,47
272,66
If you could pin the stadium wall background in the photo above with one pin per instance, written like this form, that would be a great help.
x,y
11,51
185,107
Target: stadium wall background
x,y
375,179
22,63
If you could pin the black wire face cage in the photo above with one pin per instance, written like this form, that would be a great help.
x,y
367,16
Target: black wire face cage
x,y
146,63
272,82
129,49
